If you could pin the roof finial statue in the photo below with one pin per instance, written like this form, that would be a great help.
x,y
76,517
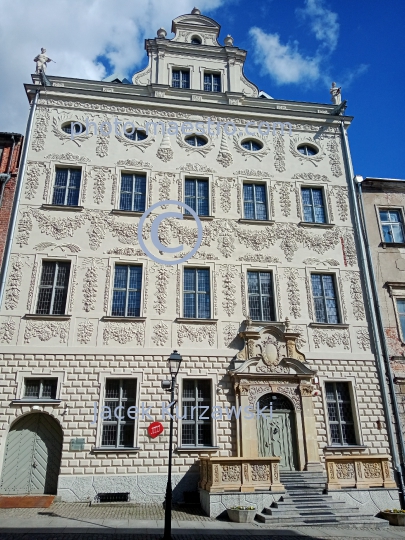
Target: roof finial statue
x,y
196,11
161,33
41,60
228,41
336,94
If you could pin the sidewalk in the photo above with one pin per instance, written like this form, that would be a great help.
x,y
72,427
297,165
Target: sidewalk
x,y
63,521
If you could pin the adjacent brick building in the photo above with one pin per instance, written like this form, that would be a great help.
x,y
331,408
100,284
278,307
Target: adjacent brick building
x,y
10,153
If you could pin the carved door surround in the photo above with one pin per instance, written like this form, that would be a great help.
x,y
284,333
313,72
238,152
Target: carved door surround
x,y
270,362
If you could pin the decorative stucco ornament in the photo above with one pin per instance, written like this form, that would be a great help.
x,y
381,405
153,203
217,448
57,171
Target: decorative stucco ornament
x,y
41,60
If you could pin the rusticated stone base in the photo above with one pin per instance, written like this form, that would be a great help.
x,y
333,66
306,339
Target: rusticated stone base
x,y
370,501
216,504
142,488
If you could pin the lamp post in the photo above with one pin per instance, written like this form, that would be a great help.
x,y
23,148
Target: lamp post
x,y
174,362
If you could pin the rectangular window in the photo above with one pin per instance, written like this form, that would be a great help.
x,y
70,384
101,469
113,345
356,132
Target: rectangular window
x,y
197,302
181,78
197,196
127,291
53,288
314,209
254,198
323,289
261,298
392,227
196,426
118,427
40,388
67,187
212,82
133,192
401,314
340,413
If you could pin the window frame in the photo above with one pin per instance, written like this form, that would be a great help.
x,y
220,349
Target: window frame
x,y
198,179
351,381
266,195
79,195
32,374
399,209
274,286
212,74
119,190
68,286
337,293
324,201
103,376
181,70
196,292
112,288
41,380
213,378
401,329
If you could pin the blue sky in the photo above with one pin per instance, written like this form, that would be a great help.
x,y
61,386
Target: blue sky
x,y
296,48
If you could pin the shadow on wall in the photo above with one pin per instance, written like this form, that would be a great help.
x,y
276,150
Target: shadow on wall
x,y
186,490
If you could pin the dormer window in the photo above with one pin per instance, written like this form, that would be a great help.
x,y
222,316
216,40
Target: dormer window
x,y
212,82
195,40
181,78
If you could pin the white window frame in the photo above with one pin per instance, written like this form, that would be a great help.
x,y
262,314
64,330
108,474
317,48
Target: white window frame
x,y
115,198
52,186
266,188
209,179
399,209
33,374
113,261
212,292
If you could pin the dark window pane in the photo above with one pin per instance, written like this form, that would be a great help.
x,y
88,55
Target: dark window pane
x,y
32,387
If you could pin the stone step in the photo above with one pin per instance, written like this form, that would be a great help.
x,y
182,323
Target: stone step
x,y
314,511
307,485
374,523
330,517
309,504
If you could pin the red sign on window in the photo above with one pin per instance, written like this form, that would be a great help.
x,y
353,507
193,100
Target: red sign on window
x,y
155,429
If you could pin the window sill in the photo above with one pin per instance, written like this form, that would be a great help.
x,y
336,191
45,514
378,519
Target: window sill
x,y
203,218
115,450
123,319
197,449
257,221
318,225
36,401
342,447
117,212
392,244
47,317
327,325
63,207
183,320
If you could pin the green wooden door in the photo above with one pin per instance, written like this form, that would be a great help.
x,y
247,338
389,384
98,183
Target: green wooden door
x,y
276,431
32,456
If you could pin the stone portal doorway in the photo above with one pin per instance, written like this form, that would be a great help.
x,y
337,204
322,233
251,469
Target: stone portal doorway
x,y
276,431
32,458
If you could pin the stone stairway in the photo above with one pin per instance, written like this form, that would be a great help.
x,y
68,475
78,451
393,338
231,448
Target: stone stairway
x,y
306,504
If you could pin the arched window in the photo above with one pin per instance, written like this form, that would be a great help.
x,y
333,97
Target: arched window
x,y
307,150
195,140
195,40
252,146
78,128
137,135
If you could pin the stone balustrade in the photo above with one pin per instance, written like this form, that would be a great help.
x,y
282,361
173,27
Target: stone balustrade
x,y
361,472
219,474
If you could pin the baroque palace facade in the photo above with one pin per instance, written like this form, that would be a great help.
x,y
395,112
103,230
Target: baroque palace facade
x,y
268,313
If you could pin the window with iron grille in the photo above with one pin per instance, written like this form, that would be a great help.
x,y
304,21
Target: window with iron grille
x,y
118,428
133,192
340,413
261,296
197,301
127,291
53,288
181,78
313,205
196,426
254,199
392,226
324,293
212,82
40,388
401,315
67,187
197,196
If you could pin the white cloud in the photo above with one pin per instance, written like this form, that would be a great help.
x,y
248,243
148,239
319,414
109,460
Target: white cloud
x,y
76,33
323,23
283,62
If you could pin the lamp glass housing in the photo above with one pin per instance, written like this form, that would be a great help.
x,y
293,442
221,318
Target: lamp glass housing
x,y
174,361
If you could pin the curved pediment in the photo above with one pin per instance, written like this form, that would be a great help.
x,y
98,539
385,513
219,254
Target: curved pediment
x,y
195,20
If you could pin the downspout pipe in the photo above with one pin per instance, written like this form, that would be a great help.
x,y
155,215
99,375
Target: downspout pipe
x,y
372,313
400,435
17,197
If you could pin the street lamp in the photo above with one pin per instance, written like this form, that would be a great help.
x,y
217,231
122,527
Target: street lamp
x,y
174,362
